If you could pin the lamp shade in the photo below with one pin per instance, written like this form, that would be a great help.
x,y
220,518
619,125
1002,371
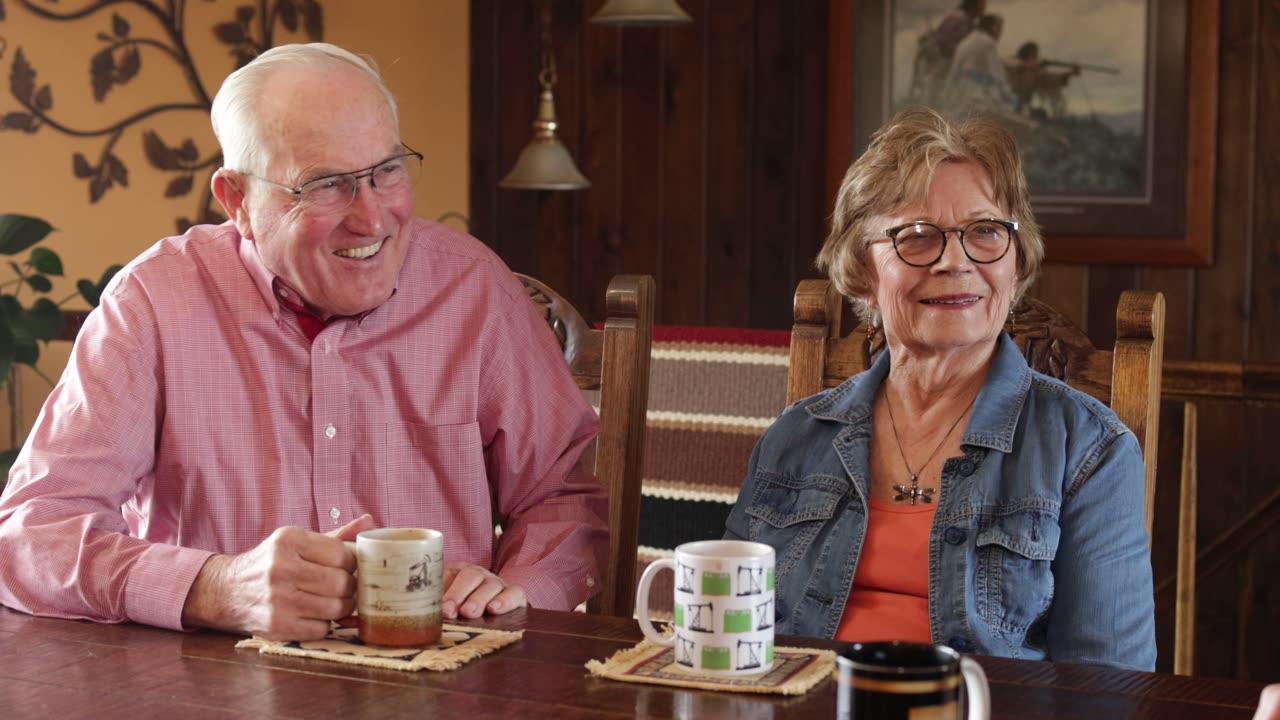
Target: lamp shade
x,y
641,12
545,164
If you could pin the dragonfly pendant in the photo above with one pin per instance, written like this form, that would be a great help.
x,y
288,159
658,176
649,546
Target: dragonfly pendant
x,y
913,493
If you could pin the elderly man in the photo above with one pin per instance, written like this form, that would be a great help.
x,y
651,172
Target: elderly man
x,y
249,394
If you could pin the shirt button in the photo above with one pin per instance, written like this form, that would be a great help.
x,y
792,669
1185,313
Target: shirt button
x,y
330,431
275,314
967,467
334,514
327,349
954,535
283,293
591,582
960,644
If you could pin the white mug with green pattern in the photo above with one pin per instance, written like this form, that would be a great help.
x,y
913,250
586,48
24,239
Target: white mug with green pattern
x,y
723,610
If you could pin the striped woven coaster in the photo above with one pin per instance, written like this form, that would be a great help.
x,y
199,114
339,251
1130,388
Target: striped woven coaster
x,y
458,645
795,671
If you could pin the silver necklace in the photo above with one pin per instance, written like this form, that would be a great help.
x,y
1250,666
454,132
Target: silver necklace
x,y
915,492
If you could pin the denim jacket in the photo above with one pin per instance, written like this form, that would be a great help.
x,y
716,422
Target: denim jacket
x,y
1038,547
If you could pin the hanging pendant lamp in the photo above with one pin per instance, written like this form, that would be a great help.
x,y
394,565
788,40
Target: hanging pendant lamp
x,y
641,12
545,164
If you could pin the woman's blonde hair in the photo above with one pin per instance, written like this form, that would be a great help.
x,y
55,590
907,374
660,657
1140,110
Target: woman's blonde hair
x,y
895,172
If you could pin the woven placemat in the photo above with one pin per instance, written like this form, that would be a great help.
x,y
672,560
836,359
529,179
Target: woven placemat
x,y
458,645
795,671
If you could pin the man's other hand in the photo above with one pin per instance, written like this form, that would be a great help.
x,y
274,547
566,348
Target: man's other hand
x,y
470,591
289,587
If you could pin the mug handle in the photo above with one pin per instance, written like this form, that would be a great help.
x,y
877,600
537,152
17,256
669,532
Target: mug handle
x,y
977,689
642,601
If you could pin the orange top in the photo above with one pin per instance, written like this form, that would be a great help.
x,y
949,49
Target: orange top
x,y
890,595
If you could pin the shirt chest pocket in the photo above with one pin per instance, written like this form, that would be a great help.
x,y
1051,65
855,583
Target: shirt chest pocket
x,y
787,513
1014,574
433,472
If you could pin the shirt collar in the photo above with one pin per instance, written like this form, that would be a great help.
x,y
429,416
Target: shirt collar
x,y
270,285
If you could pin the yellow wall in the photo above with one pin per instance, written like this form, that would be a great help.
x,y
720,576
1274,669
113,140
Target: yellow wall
x,y
421,47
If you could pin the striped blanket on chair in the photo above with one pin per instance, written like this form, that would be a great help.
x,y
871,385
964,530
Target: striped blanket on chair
x,y
712,393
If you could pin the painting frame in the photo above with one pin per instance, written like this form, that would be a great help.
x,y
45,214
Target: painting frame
x,y
1194,166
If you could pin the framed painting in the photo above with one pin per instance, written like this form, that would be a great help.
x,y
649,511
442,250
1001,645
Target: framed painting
x,y
1113,105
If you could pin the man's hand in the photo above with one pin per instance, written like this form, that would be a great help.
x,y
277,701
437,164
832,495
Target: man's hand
x,y
470,590
287,588
1269,703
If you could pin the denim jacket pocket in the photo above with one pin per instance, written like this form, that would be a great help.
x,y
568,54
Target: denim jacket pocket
x,y
1014,575
787,512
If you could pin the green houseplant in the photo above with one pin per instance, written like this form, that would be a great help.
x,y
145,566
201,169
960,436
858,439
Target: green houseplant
x,y
24,326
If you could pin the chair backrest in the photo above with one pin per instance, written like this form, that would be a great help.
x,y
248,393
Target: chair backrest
x,y
614,361
1126,378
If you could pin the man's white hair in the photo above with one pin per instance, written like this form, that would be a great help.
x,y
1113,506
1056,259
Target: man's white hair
x,y
234,121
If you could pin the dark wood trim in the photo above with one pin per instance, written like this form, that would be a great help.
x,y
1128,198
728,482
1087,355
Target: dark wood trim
x,y
1199,379
839,95
1232,545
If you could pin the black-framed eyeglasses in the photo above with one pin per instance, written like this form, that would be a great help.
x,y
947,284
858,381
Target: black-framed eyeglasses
x,y
334,193
921,244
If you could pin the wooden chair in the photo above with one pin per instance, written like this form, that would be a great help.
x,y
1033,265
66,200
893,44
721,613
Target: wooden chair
x,y
1126,378
614,361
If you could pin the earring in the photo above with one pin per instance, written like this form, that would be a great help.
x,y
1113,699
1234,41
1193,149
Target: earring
x,y
1013,325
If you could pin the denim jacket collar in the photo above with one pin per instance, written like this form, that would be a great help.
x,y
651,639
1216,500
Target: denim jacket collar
x,y
995,413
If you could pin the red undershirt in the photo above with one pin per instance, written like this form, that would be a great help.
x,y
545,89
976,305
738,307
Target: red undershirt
x,y
309,318
890,595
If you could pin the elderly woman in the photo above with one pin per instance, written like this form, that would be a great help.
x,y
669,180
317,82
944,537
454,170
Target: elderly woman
x,y
949,493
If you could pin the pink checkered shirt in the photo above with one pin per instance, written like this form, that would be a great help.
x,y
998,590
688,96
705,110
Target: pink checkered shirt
x,y
195,417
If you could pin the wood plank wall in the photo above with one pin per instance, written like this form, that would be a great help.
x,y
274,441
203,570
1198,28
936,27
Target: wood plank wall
x,y
705,145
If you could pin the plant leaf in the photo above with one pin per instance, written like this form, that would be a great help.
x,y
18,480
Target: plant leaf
x,y
44,99
119,25
16,271
25,349
40,283
130,64
10,456
45,261
80,166
22,78
179,186
45,320
8,350
11,309
106,278
244,14
19,232
89,292
229,33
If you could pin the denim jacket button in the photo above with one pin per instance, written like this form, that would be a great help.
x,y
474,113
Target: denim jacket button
x,y
967,467
954,535
960,644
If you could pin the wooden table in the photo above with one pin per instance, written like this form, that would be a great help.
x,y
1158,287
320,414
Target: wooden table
x,y
67,669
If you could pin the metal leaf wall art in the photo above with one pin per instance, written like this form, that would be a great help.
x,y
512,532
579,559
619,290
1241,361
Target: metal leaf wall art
x,y
124,55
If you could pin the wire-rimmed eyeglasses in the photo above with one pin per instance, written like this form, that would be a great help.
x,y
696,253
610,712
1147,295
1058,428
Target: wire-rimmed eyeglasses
x,y
333,193
921,244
